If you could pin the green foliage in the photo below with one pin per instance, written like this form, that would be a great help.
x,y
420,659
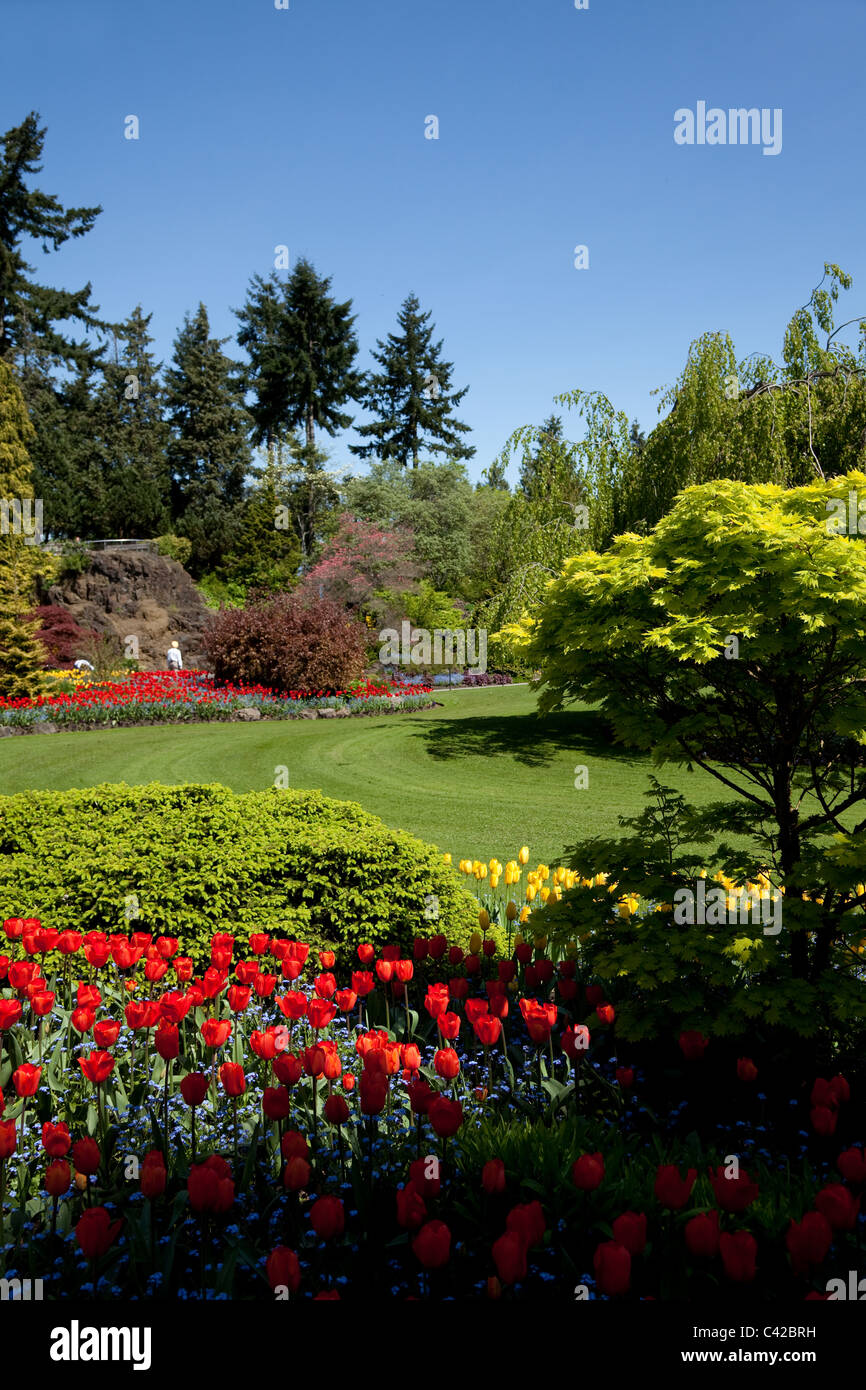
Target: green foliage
x,y
733,638
193,860
21,654
174,547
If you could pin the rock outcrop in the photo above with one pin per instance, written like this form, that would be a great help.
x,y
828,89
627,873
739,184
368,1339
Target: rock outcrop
x,y
141,594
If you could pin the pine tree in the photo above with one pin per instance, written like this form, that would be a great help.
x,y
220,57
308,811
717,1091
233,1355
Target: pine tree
x,y
266,553
34,322
132,436
208,451
21,655
412,396
262,336
29,312
321,347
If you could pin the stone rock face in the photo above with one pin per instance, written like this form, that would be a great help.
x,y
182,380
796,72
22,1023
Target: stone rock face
x,y
249,714
327,713
138,593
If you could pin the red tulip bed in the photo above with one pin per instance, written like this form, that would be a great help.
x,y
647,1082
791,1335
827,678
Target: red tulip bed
x,y
440,1125
150,697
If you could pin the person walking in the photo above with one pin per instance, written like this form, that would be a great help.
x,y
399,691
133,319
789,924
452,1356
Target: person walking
x,y
174,658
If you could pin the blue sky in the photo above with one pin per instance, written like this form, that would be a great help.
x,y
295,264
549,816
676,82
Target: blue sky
x,y
306,127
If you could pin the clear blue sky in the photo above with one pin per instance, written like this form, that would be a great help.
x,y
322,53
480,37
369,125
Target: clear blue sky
x,y
306,126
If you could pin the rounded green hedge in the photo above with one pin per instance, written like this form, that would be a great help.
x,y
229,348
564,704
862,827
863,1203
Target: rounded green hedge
x,y
191,860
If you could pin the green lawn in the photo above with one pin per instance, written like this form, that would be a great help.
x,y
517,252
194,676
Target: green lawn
x,y
479,776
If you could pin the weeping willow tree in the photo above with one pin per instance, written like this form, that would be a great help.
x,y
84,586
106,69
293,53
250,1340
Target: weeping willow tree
x,y
751,420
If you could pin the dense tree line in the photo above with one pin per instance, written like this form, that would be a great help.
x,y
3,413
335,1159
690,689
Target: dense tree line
x,y
232,454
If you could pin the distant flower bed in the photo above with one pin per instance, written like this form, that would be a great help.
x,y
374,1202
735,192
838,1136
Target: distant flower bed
x,y
146,697
464,679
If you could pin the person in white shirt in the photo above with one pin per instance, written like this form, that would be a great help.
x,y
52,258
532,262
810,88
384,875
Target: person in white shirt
x,y
82,665
174,658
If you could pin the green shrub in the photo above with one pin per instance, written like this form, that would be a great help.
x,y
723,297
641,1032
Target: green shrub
x,y
193,860
174,548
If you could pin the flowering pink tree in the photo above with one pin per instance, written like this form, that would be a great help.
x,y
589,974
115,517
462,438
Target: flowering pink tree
x,y
360,560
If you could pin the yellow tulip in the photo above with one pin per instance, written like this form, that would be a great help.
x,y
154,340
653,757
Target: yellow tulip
x,y
531,891
524,914
523,856
494,880
571,949
539,942
483,919
446,858
544,894
511,910
475,941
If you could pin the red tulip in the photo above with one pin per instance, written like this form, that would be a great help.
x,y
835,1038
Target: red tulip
x,y
824,1120
167,1041
672,1190
629,1230
10,1012
528,1221
702,1235
97,1067
612,1265
493,1176
193,1088
432,1244
733,1194
296,1174
852,1165
487,1030
153,1174
55,1139
7,1138
275,1102
374,1090
839,1206
336,1111
808,1241
288,1069
234,1082
625,1077
327,1217
283,1269
96,1232
738,1252
210,1186
746,1069
25,1079
86,1156
58,1176
446,1116
238,997
294,1145
447,1063
693,1045
587,1172
215,1031
509,1256
320,1012
411,1208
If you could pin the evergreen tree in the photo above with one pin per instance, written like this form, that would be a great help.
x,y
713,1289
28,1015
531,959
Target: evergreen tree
x,y
21,655
208,451
266,553
29,313
322,348
266,376
132,437
301,347
412,397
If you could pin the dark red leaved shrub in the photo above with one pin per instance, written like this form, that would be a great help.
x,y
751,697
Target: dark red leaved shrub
x,y
63,639
287,643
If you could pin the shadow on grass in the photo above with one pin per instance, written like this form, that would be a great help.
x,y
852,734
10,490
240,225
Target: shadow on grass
x,y
531,739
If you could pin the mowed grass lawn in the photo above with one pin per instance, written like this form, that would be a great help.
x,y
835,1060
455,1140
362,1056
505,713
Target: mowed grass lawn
x,y
479,776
